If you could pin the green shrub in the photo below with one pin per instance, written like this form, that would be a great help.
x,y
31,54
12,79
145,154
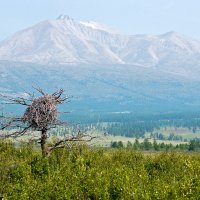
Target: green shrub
x,y
85,173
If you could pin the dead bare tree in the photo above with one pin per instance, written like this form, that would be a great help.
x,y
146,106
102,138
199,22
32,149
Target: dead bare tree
x,y
41,114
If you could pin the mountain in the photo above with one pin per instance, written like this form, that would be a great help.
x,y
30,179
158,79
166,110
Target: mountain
x,y
61,41
66,41
101,68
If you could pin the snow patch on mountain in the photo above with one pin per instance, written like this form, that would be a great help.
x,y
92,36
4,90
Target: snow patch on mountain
x,y
98,26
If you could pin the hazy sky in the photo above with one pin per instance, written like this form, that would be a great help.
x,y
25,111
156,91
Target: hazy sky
x,y
127,16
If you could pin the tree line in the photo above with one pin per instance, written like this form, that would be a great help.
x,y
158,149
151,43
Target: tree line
x,y
146,145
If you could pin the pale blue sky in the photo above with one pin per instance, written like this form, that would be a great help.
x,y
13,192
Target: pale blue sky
x,y
127,16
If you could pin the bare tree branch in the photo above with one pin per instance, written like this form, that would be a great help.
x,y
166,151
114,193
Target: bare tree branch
x,y
77,138
17,100
15,134
39,90
41,114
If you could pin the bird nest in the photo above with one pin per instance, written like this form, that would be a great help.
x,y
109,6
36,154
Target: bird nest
x,y
42,112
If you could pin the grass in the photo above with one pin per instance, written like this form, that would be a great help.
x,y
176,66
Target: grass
x,y
177,131
97,173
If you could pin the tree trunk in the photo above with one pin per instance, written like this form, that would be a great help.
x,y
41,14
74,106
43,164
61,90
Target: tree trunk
x,y
44,146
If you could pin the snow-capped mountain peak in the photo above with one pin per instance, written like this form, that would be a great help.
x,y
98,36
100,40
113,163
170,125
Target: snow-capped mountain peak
x,y
67,41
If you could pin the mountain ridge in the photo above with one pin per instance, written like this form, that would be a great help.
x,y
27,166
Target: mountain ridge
x,y
66,41
101,68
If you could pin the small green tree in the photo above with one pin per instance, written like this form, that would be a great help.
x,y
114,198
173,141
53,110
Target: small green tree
x,y
155,145
136,144
114,144
147,144
129,145
120,144
192,145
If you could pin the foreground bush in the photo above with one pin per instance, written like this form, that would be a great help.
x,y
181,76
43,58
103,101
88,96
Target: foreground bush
x,y
83,173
